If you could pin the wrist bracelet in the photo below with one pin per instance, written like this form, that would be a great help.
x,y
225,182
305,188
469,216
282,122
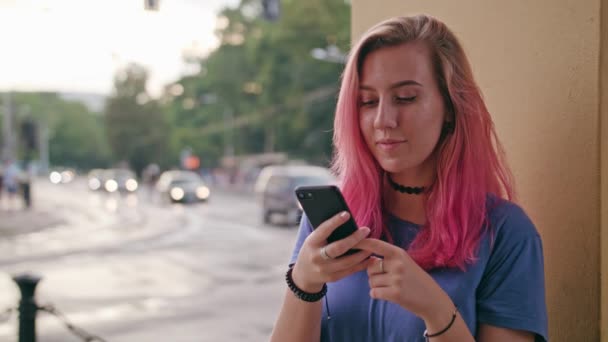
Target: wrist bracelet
x,y
426,335
301,294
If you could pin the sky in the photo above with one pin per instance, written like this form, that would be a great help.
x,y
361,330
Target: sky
x,y
76,45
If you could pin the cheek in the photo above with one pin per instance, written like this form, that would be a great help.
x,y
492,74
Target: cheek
x,y
424,131
425,126
427,121
366,124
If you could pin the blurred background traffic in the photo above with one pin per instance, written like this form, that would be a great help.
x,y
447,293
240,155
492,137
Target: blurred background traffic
x,y
150,150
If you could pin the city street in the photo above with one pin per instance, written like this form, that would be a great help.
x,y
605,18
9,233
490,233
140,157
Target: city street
x,y
130,268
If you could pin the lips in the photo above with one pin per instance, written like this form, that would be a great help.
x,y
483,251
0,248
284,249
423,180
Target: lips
x,y
389,144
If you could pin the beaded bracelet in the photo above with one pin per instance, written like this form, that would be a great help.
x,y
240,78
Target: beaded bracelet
x,y
301,294
426,335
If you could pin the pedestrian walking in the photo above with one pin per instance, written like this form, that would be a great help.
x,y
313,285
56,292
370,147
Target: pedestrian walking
x,y
11,182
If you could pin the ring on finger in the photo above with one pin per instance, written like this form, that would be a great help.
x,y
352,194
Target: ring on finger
x,y
324,254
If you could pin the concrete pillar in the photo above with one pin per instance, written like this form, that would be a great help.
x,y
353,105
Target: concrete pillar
x,y
604,168
538,64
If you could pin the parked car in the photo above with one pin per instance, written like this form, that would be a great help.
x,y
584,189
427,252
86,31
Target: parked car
x,y
275,187
182,186
95,179
121,180
62,175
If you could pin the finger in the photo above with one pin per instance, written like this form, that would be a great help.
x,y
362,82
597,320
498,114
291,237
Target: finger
x,y
345,273
385,293
379,280
348,262
377,266
378,247
342,246
320,235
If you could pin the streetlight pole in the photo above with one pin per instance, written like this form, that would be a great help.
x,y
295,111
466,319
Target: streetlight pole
x,y
44,146
7,124
228,133
270,138
227,122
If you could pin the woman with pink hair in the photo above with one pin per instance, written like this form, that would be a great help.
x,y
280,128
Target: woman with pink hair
x,y
444,252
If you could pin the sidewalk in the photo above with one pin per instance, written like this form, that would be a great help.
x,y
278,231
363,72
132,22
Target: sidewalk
x,y
21,221
16,220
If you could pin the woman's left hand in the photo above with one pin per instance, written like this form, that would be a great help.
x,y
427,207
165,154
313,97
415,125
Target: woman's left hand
x,y
397,278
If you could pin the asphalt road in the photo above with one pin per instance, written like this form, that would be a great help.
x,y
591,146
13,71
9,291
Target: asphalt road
x,y
128,268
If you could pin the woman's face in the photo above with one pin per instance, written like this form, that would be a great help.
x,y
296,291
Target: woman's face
x,y
401,110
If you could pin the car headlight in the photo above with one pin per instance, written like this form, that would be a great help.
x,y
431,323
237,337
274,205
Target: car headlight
x,y
67,176
202,192
111,185
55,177
94,184
131,185
177,193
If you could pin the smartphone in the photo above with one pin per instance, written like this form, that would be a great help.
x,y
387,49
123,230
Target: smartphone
x,y
323,202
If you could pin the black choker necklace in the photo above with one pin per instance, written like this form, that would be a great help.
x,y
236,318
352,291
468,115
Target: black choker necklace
x,y
416,190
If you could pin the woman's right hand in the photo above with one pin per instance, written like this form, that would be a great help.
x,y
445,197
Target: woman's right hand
x,y
313,269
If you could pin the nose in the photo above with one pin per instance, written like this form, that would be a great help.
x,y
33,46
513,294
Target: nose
x,y
386,115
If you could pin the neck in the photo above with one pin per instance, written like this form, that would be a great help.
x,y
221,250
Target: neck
x,y
409,207
415,190
421,176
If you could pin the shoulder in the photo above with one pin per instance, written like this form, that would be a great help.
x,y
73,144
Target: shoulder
x,y
511,290
509,222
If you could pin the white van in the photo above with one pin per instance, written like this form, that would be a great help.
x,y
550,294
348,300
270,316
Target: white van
x,y
275,187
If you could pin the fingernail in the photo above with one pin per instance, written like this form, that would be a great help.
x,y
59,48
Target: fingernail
x,y
344,214
365,231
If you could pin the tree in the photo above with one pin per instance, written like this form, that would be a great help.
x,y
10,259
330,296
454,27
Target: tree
x,y
136,127
76,135
264,75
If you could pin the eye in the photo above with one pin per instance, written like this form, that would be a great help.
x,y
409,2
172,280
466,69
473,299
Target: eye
x,y
405,99
367,103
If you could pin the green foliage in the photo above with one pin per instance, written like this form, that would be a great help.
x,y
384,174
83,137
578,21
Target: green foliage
x,y
263,73
259,91
76,135
136,127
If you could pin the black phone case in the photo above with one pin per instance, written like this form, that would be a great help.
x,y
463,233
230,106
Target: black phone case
x,y
323,202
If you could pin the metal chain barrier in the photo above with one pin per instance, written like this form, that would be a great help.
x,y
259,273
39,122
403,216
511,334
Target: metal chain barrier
x,y
6,314
81,333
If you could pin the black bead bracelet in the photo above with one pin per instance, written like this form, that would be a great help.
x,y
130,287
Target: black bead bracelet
x,y
301,294
426,335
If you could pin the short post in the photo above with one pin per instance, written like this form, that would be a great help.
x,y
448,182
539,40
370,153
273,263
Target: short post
x,y
27,306
26,193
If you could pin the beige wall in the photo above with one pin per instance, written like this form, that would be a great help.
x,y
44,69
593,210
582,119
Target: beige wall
x,y
604,167
537,63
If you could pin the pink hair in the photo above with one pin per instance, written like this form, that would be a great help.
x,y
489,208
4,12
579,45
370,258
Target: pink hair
x,y
471,162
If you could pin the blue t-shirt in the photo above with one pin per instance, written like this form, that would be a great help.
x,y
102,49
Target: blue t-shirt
x,y
505,287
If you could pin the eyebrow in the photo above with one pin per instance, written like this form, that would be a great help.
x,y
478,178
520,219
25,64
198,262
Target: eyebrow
x,y
394,85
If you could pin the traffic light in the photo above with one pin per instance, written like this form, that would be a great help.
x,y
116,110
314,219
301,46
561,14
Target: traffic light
x,y
151,5
272,9
29,135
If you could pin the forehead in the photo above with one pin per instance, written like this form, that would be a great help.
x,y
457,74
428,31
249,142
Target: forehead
x,y
388,65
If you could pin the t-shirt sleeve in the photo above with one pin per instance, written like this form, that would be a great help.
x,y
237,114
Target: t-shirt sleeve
x,y
511,293
303,232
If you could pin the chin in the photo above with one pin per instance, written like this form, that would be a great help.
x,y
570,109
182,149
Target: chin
x,y
396,166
